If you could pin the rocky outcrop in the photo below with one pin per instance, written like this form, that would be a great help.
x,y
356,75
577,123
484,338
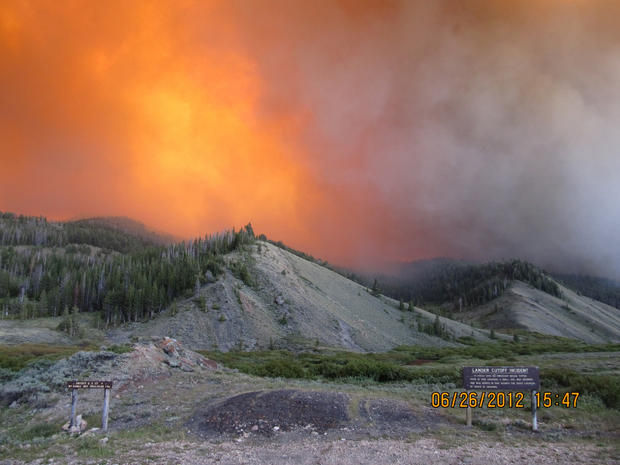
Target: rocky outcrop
x,y
178,357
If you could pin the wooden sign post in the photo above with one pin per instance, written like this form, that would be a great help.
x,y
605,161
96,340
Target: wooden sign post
x,y
106,405
503,379
105,385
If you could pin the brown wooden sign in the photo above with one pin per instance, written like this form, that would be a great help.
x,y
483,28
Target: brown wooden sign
x,y
504,378
89,384
75,385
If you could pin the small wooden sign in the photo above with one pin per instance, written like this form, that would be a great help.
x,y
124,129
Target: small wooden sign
x,y
89,384
75,385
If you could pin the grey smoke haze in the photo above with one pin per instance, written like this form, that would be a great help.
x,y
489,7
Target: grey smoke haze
x,y
476,129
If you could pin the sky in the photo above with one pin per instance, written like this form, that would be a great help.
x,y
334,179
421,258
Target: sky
x,y
364,132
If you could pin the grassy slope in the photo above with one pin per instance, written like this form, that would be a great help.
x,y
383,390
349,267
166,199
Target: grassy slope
x,y
44,331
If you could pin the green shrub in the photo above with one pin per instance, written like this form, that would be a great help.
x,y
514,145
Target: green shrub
x,y
605,387
39,430
91,447
6,375
356,368
396,365
485,425
240,271
17,357
215,265
120,348
201,303
282,369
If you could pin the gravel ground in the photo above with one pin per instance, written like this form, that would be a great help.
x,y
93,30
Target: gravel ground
x,y
281,451
423,451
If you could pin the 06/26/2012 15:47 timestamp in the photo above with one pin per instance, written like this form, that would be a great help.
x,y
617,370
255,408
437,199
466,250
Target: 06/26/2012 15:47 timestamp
x,y
501,399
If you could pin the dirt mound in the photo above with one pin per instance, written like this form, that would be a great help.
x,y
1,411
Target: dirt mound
x,y
268,412
265,412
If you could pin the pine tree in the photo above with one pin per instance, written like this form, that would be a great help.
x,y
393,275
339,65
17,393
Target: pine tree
x,y
437,326
66,324
74,321
375,288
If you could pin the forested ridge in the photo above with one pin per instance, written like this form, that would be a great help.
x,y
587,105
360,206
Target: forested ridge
x,y
601,289
114,233
122,271
47,269
461,284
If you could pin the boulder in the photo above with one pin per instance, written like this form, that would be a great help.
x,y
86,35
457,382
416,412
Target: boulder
x,y
80,425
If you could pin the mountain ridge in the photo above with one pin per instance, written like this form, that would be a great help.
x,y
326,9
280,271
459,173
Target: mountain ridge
x,y
233,290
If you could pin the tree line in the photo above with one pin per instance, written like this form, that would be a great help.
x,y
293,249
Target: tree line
x,y
46,269
118,234
602,289
463,285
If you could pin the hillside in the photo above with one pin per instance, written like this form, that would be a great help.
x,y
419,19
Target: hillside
x,y
460,284
601,289
292,302
523,307
226,291
509,296
110,280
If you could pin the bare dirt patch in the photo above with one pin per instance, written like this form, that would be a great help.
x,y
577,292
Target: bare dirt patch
x,y
314,412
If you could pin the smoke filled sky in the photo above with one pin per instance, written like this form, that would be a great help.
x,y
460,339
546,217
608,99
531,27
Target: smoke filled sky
x,y
363,132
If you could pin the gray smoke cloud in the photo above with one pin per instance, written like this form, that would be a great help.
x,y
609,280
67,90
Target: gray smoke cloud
x,y
479,129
